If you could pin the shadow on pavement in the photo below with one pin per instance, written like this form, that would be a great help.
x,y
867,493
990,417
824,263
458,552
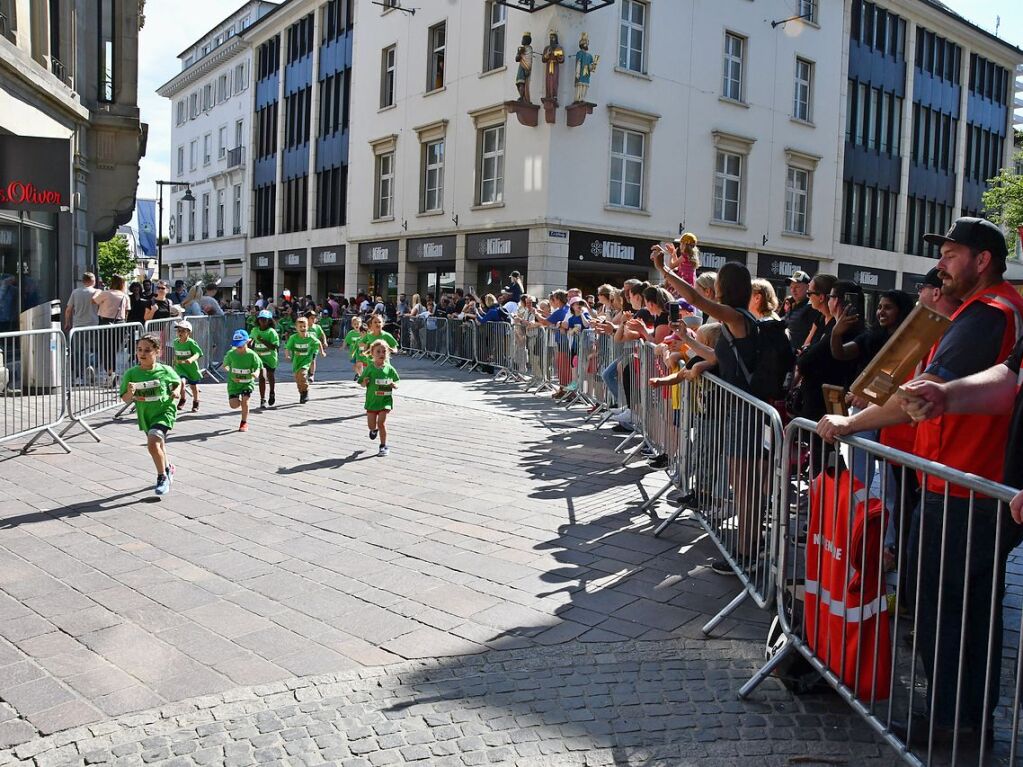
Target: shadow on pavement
x,y
103,504
327,463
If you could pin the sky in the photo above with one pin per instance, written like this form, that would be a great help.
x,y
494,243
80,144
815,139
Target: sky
x,y
171,26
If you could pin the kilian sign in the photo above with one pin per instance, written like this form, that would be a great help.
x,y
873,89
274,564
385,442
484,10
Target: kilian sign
x,y
262,261
292,259
379,253
780,268
628,252
868,278
431,249
35,173
329,257
497,246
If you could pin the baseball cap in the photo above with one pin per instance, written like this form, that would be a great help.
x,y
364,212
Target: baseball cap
x,y
240,338
183,325
932,279
977,233
800,276
265,315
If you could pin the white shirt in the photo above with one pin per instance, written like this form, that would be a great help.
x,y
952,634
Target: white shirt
x,y
511,307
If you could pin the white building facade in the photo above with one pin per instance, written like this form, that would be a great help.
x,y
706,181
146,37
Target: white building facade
x,y
211,126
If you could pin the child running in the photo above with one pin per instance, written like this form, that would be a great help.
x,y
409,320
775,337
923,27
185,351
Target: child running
x,y
353,340
376,332
187,354
315,329
242,365
380,380
302,349
265,341
152,388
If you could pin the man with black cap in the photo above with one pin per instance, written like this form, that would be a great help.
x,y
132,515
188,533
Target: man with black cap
x,y
801,317
962,554
931,295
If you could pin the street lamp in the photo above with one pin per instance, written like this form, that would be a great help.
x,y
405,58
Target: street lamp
x,y
189,197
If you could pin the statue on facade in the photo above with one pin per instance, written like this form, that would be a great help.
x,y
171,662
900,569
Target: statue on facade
x,y
585,66
524,58
553,57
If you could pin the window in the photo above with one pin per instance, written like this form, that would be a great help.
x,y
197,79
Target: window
x,y
436,49
266,131
193,154
808,10
263,215
731,79
179,221
802,98
491,167
496,16
296,117
182,113
241,78
236,209
181,160
626,187
296,207
336,19
385,186
207,148
239,131
335,102
268,58
191,220
206,215
300,39
207,97
632,35
331,196
728,187
387,65
797,200
193,105
220,213
432,196
106,68
222,142
222,90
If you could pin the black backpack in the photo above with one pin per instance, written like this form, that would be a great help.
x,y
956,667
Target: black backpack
x,y
773,358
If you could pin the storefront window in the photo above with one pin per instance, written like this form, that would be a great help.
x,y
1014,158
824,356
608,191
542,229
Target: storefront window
x,y
28,264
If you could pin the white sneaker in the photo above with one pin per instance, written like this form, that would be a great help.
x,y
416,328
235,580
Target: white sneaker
x,y
624,417
383,450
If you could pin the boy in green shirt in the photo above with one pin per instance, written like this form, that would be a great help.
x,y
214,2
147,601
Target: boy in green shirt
x,y
242,365
187,354
376,332
265,341
380,379
315,329
353,340
302,349
152,388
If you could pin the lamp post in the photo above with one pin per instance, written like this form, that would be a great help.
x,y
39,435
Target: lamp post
x,y
189,197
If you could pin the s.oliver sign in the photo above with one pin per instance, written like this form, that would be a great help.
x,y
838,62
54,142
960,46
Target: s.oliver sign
x,y
35,173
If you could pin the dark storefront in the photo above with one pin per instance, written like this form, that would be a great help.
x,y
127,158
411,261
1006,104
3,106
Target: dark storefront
x,y
434,260
35,183
496,255
381,259
594,259
292,264
778,269
263,266
328,271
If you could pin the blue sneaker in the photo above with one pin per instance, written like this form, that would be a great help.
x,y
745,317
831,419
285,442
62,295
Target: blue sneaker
x,y
162,485
170,475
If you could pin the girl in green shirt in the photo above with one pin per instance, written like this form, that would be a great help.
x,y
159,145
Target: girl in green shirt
x,y
152,388
265,341
376,332
353,340
380,380
302,349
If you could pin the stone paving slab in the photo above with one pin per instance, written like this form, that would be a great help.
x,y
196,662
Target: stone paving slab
x,y
497,526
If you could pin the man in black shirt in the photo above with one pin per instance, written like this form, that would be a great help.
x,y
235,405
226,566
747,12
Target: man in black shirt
x,y
801,317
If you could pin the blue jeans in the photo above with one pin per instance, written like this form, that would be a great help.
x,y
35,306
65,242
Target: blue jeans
x,y
610,376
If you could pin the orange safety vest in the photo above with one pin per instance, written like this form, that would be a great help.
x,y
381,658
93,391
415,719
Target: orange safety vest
x,y
969,442
846,615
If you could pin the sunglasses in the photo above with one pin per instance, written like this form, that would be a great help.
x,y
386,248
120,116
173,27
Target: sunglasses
x,y
813,293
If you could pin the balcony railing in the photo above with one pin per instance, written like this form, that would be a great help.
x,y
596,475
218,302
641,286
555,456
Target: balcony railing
x,y
235,156
59,71
237,229
220,233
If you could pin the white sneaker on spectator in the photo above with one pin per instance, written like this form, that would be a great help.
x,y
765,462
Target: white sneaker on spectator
x,y
624,417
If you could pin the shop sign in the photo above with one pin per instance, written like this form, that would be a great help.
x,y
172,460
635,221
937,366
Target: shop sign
x,y
497,246
431,249
330,256
607,249
782,267
557,234
292,259
262,260
35,173
378,253
867,278
712,259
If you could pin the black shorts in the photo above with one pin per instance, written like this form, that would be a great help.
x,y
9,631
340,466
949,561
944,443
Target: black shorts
x,y
159,430
245,394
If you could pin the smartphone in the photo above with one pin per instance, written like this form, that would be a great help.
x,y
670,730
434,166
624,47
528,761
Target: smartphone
x,y
851,308
674,313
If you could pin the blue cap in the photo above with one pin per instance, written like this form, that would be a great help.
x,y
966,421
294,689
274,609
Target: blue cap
x,y
265,314
240,338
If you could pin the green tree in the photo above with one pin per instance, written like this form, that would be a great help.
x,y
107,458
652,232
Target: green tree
x,y
113,257
1003,200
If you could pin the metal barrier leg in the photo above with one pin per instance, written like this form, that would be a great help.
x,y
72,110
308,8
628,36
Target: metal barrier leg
x,y
766,670
53,434
657,496
80,422
683,505
713,622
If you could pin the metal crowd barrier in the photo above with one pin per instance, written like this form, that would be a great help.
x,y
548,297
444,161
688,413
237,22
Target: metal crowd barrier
x,y
221,329
98,357
898,603
493,348
33,381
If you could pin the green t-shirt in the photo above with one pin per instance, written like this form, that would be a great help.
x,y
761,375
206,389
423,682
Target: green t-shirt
x,y
352,340
265,344
375,378
369,339
303,350
182,351
241,365
316,330
154,400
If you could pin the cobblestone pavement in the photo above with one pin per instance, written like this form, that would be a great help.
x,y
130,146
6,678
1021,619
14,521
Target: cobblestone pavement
x,y
489,592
